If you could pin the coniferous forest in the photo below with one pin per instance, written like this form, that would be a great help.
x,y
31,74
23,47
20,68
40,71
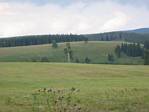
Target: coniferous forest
x,y
45,39
38,40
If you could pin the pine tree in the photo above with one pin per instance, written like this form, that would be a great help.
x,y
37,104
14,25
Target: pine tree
x,y
68,52
146,57
111,58
77,60
54,44
118,51
87,60
86,40
146,44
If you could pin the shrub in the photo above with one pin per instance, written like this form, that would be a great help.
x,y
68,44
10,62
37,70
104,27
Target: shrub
x,y
87,60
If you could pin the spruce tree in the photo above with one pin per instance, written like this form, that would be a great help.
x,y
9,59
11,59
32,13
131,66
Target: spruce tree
x,y
68,52
118,51
146,57
54,44
87,60
111,58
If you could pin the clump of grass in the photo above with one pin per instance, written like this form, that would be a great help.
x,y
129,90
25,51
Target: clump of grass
x,y
124,100
8,101
56,100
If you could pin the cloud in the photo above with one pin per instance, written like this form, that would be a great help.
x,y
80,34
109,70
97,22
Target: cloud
x,y
80,16
118,20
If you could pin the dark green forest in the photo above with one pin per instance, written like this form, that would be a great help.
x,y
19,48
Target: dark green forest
x,y
38,40
119,35
134,50
45,39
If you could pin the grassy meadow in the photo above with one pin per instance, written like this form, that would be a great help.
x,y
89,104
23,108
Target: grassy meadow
x,y
96,51
103,88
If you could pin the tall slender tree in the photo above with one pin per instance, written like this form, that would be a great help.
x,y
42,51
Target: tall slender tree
x,y
118,51
68,52
111,58
87,60
146,57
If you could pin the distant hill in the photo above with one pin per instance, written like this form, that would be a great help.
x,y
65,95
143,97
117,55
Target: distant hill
x,y
129,36
138,35
141,31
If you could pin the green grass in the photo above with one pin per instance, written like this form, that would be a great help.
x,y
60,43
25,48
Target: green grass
x,y
103,88
96,51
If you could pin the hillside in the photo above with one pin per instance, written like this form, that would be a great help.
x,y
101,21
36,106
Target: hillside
x,y
139,36
110,88
141,31
128,36
96,51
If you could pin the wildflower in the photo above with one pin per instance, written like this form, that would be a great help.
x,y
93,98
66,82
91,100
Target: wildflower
x,y
79,108
75,105
56,102
49,90
73,89
44,89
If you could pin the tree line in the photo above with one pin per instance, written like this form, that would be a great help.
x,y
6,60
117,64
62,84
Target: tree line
x,y
45,39
119,35
146,53
130,49
134,50
40,39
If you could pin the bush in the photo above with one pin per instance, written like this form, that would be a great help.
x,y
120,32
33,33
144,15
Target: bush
x,y
111,58
77,60
87,60
44,59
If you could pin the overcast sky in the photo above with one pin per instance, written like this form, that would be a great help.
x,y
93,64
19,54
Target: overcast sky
x,y
30,17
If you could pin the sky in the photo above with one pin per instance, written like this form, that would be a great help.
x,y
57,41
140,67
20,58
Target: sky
x,y
37,17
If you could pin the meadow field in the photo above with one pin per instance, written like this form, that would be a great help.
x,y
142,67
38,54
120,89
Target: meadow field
x,y
96,51
103,88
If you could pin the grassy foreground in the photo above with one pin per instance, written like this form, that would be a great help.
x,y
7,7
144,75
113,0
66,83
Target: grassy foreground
x,y
103,88
97,51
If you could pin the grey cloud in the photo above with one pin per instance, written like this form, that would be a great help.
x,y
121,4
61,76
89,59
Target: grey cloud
x,y
80,16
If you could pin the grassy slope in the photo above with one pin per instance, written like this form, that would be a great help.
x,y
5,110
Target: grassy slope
x,y
106,88
96,51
